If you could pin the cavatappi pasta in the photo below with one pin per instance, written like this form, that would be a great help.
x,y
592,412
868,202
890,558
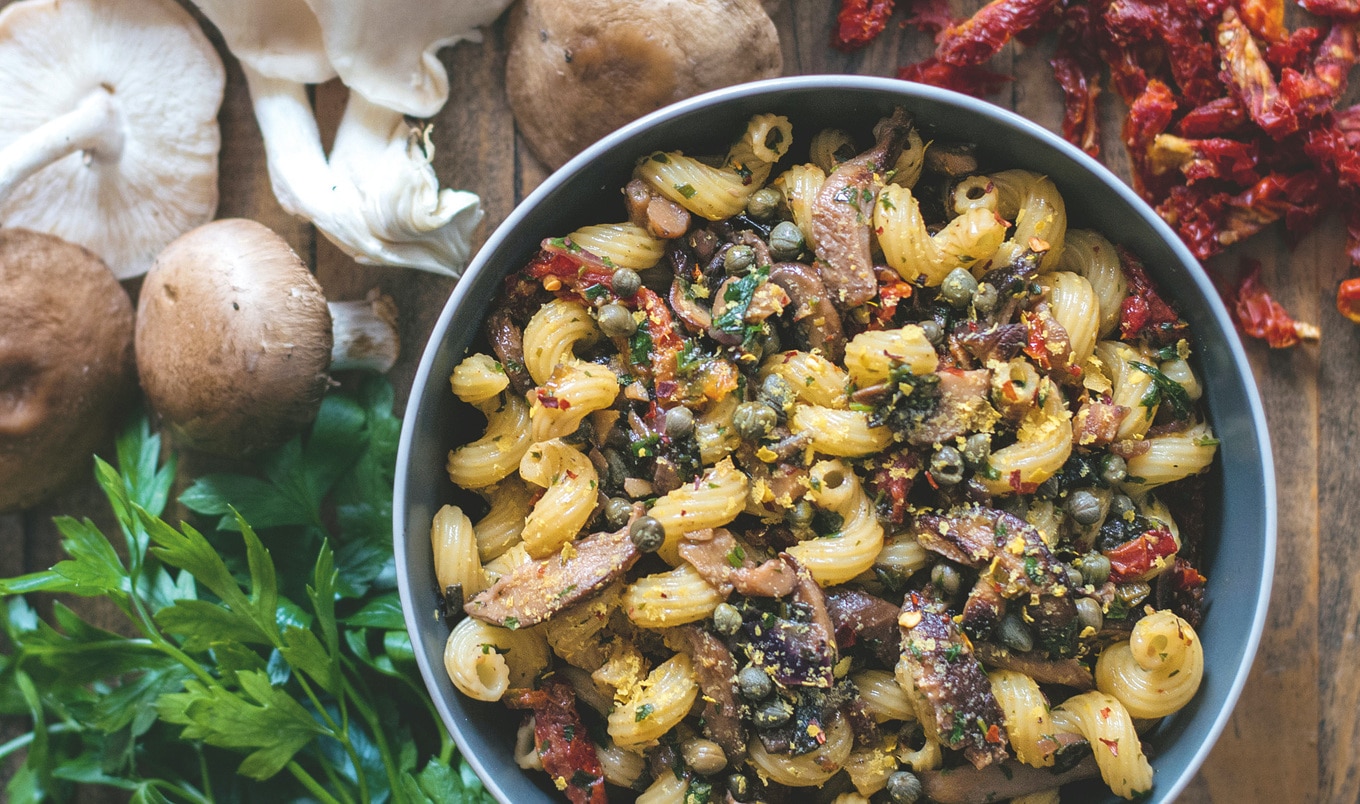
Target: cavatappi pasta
x,y
731,529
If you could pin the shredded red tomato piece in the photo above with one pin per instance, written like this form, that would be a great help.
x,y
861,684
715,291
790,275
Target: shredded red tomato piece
x,y
565,748
1260,316
1138,556
859,22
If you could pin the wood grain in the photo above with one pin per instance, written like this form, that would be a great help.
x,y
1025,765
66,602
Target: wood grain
x,y
1293,735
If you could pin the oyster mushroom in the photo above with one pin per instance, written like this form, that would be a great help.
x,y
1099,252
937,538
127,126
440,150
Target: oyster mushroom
x,y
66,367
108,124
578,69
235,340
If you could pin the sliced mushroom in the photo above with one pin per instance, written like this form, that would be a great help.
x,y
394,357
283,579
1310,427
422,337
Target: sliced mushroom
x,y
66,367
235,340
108,124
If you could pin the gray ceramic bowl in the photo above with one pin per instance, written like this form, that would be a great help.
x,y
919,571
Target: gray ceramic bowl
x,y
1241,545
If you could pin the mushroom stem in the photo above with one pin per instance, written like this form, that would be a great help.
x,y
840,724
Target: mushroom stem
x,y
92,127
365,334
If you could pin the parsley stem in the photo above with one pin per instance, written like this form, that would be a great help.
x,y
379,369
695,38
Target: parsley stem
x,y
313,785
374,724
341,736
24,739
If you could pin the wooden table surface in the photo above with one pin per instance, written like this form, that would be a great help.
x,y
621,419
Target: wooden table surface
x,y
1295,735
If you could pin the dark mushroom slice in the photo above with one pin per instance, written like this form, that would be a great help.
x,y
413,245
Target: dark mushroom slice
x,y
1006,780
860,618
945,670
962,408
817,320
728,565
1066,672
507,341
716,673
533,592
842,215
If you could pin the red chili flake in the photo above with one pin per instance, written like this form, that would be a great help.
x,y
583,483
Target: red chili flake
x,y
982,36
1018,485
1136,557
974,81
889,295
1260,316
1105,712
1336,9
563,742
859,23
547,400
1113,745
993,734
1219,116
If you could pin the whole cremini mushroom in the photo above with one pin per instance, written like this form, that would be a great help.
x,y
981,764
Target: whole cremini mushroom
x,y
66,368
236,342
108,124
578,69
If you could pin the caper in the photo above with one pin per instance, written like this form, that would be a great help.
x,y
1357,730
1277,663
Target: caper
x,y
617,320
977,448
946,579
616,468
800,515
1121,505
626,283
958,287
679,422
585,431
1089,614
1074,578
1048,489
647,533
617,511
946,466
1083,507
776,392
985,298
754,420
726,619
737,259
786,241
1113,469
773,714
764,203
739,787
704,757
933,331
1013,634
1095,568
904,788
754,684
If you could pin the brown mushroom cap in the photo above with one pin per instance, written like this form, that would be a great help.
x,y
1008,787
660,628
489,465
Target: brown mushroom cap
x,y
578,69
233,338
67,374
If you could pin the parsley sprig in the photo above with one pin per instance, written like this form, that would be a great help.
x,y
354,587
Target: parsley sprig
x,y
263,657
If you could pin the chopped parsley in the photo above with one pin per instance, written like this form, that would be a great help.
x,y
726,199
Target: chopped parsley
x,y
640,346
736,556
687,190
644,711
1167,390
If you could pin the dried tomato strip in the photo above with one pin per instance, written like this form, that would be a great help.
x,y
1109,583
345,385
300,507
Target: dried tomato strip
x,y
1247,73
564,746
982,36
1335,9
859,23
1265,18
1144,311
1137,557
1076,66
1260,316
975,81
1219,116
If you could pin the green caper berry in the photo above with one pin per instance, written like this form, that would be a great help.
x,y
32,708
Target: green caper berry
x,y
1083,507
754,420
1089,613
946,466
1014,635
726,619
626,283
738,259
764,203
977,448
1113,469
617,511
647,533
946,579
616,320
985,298
679,422
754,684
616,468
776,392
958,287
904,788
800,515
786,241
1121,505
739,787
1095,568
933,331
773,714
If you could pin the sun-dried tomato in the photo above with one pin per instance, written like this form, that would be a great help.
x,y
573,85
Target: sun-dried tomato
x,y
1348,299
1260,316
1193,61
564,745
1265,18
890,294
1187,592
1295,51
890,479
1220,116
1149,116
1335,151
1144,312
976,81
932,16
1135,558
1249,76
1313,92
1211,158
981,36
1076,66
859,23
1299,199
1336,9
1197,214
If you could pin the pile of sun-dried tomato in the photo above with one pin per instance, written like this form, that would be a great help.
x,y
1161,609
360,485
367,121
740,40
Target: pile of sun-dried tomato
x,y
1232,121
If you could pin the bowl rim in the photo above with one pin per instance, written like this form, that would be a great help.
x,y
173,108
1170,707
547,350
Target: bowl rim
x,y
905,89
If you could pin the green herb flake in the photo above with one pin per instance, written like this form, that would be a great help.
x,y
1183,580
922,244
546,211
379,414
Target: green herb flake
x,y
736,556
687,190
1169,390
643,712
511,623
